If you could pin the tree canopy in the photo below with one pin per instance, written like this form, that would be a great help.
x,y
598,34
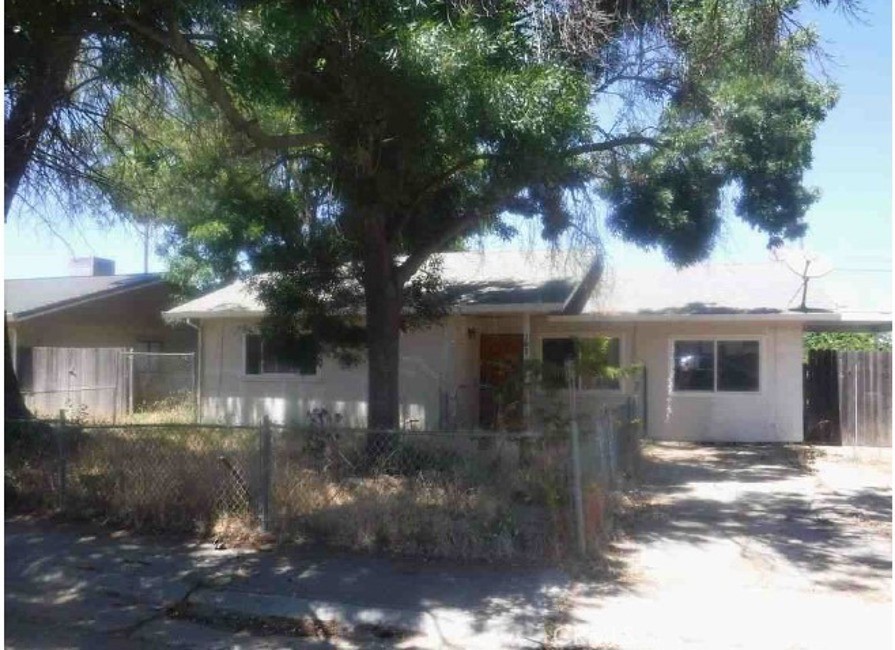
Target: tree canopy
x,y
337,146
857,341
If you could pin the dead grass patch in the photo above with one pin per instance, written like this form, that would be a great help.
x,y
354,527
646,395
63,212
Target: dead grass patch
x,y
240,531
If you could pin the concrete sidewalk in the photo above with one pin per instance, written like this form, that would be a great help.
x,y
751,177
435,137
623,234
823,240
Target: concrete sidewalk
x,y
119,585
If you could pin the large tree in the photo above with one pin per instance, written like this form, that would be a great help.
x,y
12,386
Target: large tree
x,y
64,61
341,144
42,44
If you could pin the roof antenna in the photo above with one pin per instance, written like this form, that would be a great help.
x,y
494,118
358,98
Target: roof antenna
x,y
805,264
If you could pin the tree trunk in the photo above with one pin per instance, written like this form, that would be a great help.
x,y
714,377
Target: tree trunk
x,y
35,102
383,310
27,119
14,407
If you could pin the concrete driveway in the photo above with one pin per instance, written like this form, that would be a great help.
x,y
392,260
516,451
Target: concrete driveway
x,y
749,547
723,547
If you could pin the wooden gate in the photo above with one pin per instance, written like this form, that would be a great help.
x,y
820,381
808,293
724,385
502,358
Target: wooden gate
x,y
865,398
848,398
821,419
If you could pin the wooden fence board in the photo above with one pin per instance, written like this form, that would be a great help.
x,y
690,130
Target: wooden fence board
x,y
865,398
74,379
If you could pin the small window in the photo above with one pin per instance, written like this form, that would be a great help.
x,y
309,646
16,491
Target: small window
x,y
716,366
694,365
737,365
601,352
296,357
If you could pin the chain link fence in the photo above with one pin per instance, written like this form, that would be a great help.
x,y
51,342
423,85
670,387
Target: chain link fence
x,y
465,495
607,461
170,477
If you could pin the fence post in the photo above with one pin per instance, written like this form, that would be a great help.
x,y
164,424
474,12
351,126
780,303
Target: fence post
x,y
62,460
265,458
577,497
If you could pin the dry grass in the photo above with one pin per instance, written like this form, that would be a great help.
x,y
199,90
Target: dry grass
x,y
176,409
160,479
481,504
239,531
450,496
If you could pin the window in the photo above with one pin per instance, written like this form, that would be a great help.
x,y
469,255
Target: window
x,y
694,365
738,365
710,366
594,356
297,357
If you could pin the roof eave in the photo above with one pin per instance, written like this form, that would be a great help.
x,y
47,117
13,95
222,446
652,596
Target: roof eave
x,y
849,321
540,308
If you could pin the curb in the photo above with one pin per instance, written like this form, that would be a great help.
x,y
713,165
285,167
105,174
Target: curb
x,y
441,628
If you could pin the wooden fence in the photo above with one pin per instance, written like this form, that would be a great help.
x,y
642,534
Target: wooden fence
x,y
865,398
101,383
848,398
74,379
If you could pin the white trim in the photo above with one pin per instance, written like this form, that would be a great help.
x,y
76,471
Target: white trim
x,y
714,339
511,308
483,309
171,316
846,318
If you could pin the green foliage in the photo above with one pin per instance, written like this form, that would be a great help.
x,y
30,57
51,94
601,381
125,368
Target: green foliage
x,y
847,341
436,121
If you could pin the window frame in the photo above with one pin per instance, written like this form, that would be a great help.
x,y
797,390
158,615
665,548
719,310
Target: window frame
x,y
622,355
273,376
715,339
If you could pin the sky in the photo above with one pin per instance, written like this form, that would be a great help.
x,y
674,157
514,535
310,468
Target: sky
x,y
850,226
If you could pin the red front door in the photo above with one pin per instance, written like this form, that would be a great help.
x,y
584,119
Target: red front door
x,y
500,381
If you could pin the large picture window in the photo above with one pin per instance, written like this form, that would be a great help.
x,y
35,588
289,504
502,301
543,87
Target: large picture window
x,y
596,358
295,357
716,366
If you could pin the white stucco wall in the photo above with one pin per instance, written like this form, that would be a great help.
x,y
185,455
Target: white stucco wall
x,y
231,396
439,379
774,413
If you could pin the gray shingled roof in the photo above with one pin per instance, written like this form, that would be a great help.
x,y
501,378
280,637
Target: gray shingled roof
x,y
32,296
501,280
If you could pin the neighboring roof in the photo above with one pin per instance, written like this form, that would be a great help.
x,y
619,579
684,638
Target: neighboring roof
x,y
35,296
539,281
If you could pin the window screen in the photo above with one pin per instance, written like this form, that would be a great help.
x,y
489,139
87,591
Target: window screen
x,y
297,356
694,365
738,365
253,354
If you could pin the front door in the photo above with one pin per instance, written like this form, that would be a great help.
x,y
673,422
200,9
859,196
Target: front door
x,y
500,381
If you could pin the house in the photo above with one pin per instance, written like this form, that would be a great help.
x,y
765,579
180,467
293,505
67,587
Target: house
x,y
89,309
721,347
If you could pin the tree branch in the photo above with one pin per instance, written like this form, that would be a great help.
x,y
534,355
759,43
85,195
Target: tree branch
x,y
182,48
608,145
460,227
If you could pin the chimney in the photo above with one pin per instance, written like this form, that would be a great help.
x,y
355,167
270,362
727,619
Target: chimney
x,y
91,266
